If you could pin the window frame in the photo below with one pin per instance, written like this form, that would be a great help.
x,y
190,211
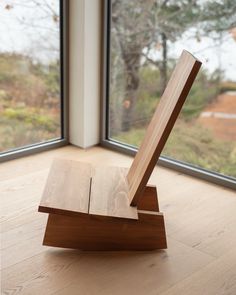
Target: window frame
x,y
58,142
105,141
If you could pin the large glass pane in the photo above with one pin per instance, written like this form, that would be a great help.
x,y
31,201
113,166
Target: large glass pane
x,y
146,38
29,72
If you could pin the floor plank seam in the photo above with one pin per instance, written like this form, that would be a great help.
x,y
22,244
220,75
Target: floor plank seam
x,y
191,247
21,225
89,198
13,178
197,260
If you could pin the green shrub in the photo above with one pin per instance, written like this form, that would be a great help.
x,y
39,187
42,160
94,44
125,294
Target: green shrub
x,y
31,116
192,143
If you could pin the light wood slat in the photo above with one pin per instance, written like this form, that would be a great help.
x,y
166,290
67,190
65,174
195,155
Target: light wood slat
x,y
109,193
20,218
192,208
67,189
102,273
16,194
24,249
217,278
23,232
161,124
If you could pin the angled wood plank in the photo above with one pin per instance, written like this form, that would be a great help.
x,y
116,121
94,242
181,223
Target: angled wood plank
x,y
109,193
67,188
149,200
161,124
93,232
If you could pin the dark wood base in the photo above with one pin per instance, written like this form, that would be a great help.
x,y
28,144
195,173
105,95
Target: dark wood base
x,y
90,232
94,232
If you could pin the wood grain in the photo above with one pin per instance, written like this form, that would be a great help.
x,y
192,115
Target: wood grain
x,y
149,199
218,277
18,193
76,188
67,189
11,237
207,218
67,272
161,124
24,249
102,233
109,193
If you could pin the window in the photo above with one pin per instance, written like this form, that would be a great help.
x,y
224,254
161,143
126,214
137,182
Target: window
x,y
144,39
31,73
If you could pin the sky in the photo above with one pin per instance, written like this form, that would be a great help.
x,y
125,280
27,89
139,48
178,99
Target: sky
x,y
213,54
28,27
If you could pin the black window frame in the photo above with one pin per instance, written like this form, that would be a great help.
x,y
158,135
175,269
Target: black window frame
x,y
63,140
181,167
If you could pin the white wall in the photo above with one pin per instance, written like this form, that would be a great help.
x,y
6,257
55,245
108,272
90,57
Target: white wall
x,y
84,73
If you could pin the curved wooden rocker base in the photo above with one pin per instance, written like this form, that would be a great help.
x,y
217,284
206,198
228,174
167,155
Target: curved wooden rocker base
x,y
108,229
97,233
89,209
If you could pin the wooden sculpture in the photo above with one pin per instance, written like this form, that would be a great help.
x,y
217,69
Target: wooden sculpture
x,y
112,208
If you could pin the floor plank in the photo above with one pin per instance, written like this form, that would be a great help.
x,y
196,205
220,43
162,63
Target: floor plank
x,y
23,232
217,278
109,272
200,223
20,193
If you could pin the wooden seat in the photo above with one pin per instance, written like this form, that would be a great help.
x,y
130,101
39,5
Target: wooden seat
x,y
74,188
112,208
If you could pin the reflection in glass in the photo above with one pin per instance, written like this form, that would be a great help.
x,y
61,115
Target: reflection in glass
x,y
146,39
29,72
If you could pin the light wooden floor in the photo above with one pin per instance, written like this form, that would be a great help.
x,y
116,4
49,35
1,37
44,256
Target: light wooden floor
x,y
200,222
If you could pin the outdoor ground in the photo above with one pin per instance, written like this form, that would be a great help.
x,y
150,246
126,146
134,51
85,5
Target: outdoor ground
x,y
220,116
209,141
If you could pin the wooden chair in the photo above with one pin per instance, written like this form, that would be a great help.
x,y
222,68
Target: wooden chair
x,y
112,208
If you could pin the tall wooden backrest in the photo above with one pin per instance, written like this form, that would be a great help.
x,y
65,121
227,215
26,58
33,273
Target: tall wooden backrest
x,y
161,124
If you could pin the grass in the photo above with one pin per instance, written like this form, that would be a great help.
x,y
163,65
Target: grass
x,y
25,126
29,102
191,143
